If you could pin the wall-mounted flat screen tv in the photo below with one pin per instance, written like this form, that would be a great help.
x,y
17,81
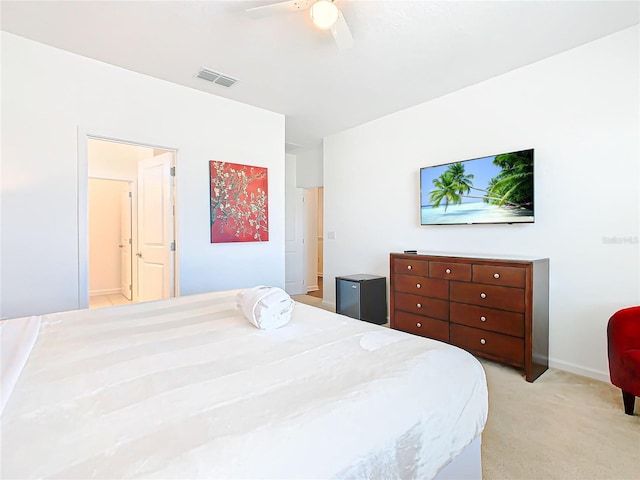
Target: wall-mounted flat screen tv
x,y
493,189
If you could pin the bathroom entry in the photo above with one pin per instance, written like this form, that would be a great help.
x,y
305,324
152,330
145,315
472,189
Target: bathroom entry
x,y
131,222
109,236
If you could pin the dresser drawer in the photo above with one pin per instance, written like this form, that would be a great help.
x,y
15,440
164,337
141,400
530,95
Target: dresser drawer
x,y
430,307
410,267
501,321
493,309
495,346
423,326
430,287
494,275
450,270
504,298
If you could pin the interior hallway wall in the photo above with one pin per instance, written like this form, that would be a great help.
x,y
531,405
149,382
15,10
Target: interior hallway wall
x,y
115,160
52,95
105,272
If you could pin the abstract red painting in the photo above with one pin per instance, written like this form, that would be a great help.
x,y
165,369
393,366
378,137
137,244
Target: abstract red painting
x,y
239,207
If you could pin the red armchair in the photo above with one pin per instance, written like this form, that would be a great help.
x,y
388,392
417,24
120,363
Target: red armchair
x,y
623,339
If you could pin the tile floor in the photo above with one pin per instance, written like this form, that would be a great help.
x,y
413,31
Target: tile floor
x,y
99,301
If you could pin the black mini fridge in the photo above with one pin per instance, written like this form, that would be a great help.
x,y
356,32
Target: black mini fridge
x,y
363,297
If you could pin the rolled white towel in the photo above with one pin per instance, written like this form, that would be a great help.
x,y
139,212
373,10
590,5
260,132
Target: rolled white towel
x,y
266,307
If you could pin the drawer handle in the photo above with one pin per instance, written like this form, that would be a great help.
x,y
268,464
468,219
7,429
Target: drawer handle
x,y
419,305
448,270
409,267
418,285
418,325
483,319
496,275
483,341
483,295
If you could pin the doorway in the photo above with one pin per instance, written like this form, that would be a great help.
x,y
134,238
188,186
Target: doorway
x,y
131,223
314,241
110,279
317,289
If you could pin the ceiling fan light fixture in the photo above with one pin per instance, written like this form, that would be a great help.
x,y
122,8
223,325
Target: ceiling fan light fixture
x,y
324,14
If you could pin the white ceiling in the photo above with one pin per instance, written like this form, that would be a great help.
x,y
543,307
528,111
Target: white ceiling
x,y
405,53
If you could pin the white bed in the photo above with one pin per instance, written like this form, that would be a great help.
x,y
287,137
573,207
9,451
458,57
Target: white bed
x,y
188,388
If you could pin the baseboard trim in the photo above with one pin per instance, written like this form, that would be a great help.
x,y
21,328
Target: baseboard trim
x,y
313,288
107,291
329,305
579,370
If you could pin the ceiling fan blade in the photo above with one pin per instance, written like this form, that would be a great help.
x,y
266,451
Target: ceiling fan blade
x,y
341,33
278,7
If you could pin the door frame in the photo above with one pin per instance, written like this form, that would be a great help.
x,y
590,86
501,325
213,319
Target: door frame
x,y
126,205
83,135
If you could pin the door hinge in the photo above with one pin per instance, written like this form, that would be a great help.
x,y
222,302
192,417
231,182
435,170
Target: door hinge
x,y
129,194
173,246
172,171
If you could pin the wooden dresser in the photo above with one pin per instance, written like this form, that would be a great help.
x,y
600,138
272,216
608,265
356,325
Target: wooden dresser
x,y
494,308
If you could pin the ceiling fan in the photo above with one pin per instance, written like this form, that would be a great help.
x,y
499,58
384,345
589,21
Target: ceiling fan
x,y
325,15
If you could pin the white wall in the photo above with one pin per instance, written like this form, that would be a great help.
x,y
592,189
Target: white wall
x,y
309,168
47,95
580,111
115,160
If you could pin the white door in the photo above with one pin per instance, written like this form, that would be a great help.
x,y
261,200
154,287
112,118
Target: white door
x,y
155,228
293,221
125,242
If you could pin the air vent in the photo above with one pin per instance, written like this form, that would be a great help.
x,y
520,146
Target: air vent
x,y
215,77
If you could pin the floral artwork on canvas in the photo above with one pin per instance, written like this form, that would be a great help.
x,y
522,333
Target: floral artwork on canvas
x,y
239,203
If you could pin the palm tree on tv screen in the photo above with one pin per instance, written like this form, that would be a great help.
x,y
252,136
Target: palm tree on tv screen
x,y
512,187
462,179
447,189
450,186
514,184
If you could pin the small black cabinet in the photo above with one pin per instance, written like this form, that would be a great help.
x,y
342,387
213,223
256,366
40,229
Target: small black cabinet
x,y
363,297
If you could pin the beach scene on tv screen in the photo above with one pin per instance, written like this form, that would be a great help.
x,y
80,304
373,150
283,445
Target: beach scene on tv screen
x,y
493,189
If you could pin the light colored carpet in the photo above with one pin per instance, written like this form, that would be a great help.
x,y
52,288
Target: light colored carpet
x,y
562,426
311,300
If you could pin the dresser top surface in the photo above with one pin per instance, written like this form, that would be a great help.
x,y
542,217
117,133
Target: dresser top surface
x,y
516,258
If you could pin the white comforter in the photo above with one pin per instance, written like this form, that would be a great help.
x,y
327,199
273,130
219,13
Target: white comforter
x,y
188,388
